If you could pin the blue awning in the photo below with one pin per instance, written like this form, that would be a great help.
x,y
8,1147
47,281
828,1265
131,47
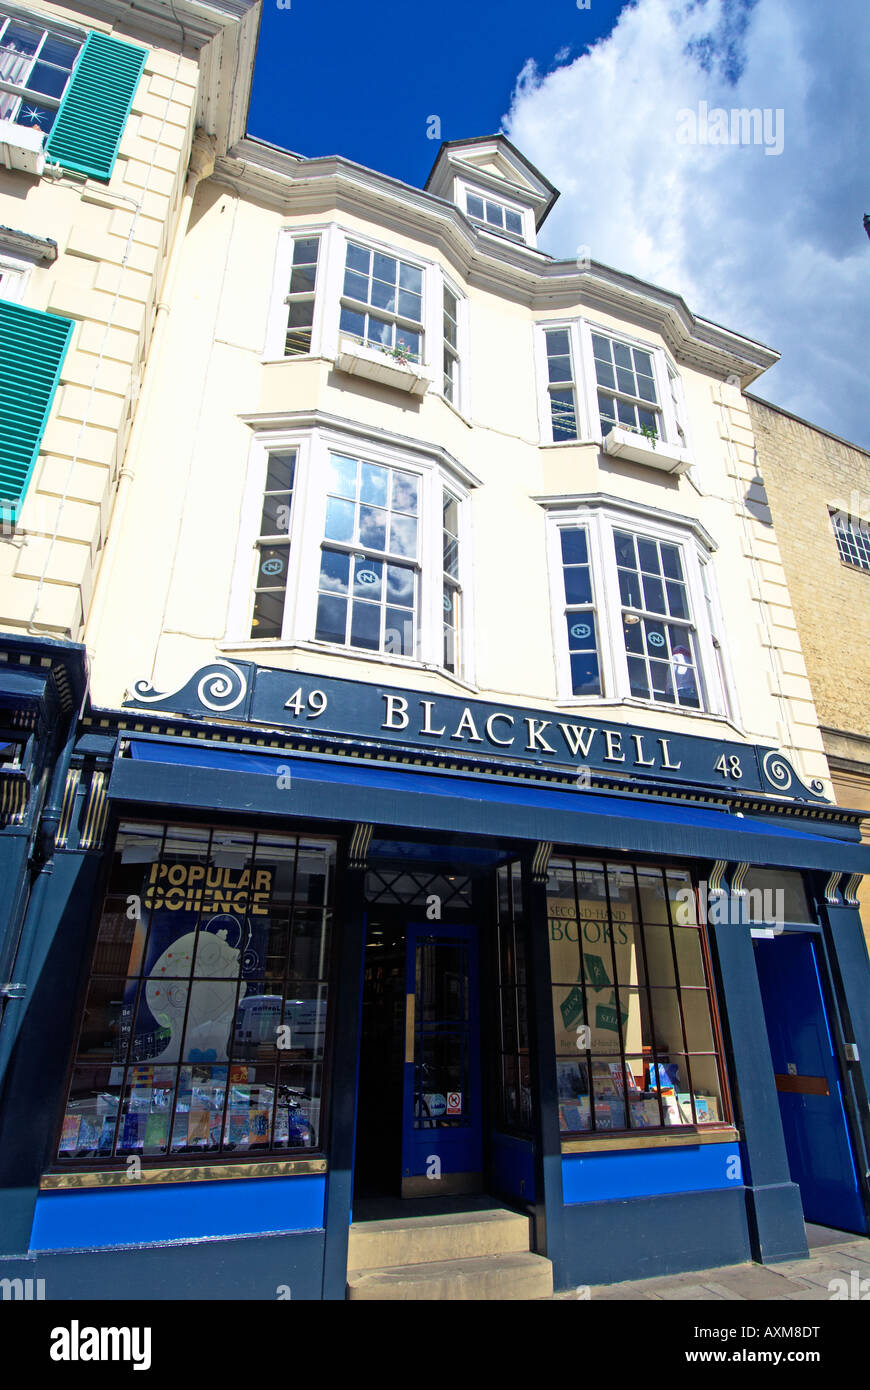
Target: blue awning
x,y
171,774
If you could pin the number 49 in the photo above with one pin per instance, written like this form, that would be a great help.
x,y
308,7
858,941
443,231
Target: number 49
x,y
316,703
729,768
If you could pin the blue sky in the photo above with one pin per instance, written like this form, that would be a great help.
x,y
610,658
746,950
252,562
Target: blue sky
x,y
764,237
362,79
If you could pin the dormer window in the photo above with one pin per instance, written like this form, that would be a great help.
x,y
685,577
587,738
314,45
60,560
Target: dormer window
x,y
495,215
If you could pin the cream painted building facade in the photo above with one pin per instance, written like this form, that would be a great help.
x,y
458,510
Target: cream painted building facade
x,y
94,249
228,395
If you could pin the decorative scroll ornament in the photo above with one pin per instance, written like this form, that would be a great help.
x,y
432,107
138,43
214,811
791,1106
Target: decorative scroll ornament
x,y
714,882
850,892
541,861
783,778
831,888
218,688
359,845
739,879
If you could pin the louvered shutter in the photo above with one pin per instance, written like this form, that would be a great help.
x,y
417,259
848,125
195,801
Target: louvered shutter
x,y
88,127
32,349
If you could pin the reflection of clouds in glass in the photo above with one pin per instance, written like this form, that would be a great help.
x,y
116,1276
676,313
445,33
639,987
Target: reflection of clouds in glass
x,y
404,493
403,535
373,528
400,586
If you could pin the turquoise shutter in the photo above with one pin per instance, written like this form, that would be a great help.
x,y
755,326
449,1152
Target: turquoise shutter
x,y
32,348
88,127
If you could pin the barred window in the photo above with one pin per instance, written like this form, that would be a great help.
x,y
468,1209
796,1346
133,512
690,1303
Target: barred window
x,y
204,1022
853,540
637,1041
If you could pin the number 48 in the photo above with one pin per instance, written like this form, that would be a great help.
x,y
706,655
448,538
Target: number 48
x,y
731,768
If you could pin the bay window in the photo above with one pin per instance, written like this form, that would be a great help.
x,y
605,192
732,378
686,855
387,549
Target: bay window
x,y
635,611
353,545
338,296
592,383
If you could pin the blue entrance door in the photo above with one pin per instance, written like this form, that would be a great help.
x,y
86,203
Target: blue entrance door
x,y
442,1130
808,1081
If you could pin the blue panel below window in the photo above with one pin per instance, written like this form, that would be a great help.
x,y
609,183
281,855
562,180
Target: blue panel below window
x,y
512,1161
101,1217
614,1176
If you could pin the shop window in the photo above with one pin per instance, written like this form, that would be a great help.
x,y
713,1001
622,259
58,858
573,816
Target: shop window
x,y
633,1010
513,1089
204,1021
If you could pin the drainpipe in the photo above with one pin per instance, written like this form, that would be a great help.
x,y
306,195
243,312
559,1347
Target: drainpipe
x,y
44,847
201,166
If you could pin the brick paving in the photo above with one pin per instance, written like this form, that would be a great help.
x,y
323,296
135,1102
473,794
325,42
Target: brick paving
x,y
787,1281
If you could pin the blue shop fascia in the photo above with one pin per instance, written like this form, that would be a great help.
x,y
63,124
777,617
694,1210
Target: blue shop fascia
x,y
277,946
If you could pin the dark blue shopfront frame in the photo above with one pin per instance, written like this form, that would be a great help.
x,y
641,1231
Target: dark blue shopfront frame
x,y
190,774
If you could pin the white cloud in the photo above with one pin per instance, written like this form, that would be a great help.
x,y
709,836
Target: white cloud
x,y
770,245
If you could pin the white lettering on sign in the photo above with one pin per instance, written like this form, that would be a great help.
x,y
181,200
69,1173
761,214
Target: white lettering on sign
x,y
586,741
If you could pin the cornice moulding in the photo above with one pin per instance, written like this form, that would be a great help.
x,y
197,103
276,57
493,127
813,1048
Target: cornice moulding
x,y
298,186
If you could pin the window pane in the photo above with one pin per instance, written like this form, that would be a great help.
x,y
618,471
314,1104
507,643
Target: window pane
x,y
578,585
638,678
356,286
366,626
559,368
339,520
334,571
585,677
405,492
403,536
279,475
367,578
513,222
384,296
331,619
305,250
574,549
410,305
373,485
353,323
474,206
49,80
358,258
411,278
373,528
494,214
303,278
385,268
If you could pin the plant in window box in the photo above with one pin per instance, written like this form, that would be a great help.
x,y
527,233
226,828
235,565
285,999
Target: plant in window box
x,y
401,353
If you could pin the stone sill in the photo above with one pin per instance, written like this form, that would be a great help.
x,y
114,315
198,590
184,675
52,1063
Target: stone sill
x,y
604,1143
215,1172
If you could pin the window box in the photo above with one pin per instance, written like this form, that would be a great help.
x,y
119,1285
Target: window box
x,y
378,366
628,444
21,147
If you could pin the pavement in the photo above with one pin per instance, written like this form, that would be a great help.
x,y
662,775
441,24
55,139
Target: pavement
x,y
834,1255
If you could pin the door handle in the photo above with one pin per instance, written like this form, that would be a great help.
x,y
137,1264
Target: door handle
x,y
409,1027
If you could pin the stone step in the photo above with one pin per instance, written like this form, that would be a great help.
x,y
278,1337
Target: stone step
x,y
453,1236
492,1277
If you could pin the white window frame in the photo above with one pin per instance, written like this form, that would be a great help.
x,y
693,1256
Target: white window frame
x,y
600,519
51,28
14,274
526,237
306,535
326,334
671,402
